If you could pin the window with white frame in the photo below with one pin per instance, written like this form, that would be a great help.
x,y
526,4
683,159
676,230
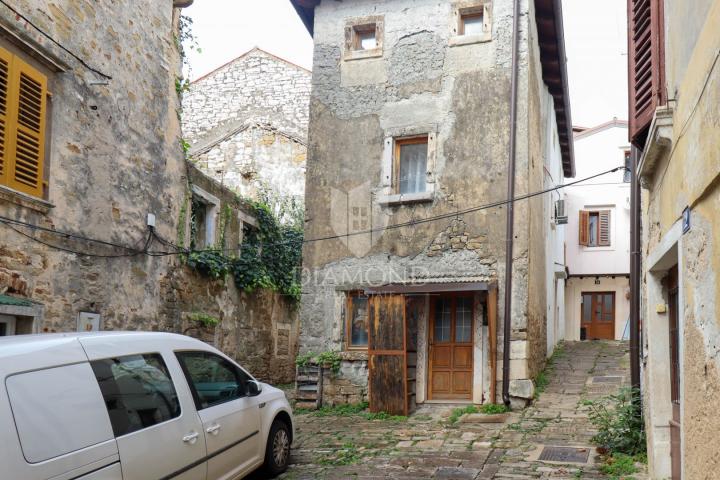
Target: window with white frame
x,y
410,164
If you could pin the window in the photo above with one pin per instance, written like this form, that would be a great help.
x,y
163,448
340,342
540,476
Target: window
x,y
138,391
23,111
410,164
627,175
357,321
594,228
646,62
203,215
214,379
57,411
472,22
364,38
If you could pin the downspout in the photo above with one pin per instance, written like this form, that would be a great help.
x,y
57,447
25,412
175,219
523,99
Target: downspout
x,y
634,270
509,233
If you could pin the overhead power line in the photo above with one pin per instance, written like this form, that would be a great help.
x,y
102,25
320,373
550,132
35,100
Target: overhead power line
x,y
178,250
47,35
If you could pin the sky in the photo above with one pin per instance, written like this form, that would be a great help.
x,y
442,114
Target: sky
x,y
595,42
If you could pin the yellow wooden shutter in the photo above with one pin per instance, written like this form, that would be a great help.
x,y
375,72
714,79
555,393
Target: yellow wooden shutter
x,y
604,228
584,224
5,62
26,132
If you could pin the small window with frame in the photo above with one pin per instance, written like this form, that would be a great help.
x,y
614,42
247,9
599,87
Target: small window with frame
x,y
627,173
472,23
364,38
356,315
410,164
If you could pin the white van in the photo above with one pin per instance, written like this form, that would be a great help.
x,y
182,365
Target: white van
x,y
134,406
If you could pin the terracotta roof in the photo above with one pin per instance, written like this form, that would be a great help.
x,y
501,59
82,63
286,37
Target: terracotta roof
x,y
548,17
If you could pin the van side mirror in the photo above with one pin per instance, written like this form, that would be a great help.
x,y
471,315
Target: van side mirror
x,y
253,388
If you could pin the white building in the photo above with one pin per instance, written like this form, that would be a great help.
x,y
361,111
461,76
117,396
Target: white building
x,y
597,240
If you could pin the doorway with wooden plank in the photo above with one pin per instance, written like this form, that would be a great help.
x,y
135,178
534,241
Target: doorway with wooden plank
x,y
392,353
597,316
450,366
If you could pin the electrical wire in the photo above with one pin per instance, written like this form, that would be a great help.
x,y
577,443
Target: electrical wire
x,y
46,35
178,250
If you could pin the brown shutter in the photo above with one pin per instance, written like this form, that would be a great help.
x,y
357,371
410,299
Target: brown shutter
x,y
584,232
646,65
604,228
5,60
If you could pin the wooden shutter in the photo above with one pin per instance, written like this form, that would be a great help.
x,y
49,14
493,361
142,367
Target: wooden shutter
x,y
5,61
584,224
26,132
646,65
604,228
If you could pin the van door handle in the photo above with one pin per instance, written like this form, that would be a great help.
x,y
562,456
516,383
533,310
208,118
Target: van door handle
x,y
213,429
190,438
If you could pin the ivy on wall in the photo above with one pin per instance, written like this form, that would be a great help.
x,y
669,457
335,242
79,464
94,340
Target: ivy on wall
x,y
270,256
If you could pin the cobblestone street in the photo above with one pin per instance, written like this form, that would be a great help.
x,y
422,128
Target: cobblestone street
x,y
430,445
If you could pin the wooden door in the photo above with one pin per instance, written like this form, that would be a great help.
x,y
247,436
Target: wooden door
x,y
451,347
387,360
598,315
674,331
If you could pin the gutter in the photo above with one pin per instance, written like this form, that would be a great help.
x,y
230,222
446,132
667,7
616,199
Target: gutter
x,y
635,266
509,233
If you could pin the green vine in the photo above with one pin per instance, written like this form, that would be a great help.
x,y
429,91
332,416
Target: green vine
x,y
270,255
204,319
330,357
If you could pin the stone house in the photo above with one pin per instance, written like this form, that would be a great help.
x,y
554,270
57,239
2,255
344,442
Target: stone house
x,y
597,292
409,131
90,158
246,123
675,132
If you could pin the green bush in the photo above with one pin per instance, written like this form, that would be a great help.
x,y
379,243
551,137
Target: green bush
x,y
620,423
493,408
459,412
618,466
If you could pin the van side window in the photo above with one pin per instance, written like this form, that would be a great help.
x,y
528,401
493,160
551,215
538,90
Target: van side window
x,y
138,391
213,379
57,411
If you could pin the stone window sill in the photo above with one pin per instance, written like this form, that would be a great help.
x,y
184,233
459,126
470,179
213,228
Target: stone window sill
x,y
400,199
24,200
362,54
458,40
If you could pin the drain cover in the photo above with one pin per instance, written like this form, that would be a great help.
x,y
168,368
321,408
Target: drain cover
x,y
608,379
565,454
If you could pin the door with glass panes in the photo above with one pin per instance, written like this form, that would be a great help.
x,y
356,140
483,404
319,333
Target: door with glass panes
x,y
451,347
598,316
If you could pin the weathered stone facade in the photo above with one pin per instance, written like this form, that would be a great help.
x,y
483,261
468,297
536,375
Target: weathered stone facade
x,y
423,80
114,156
247,124
679,168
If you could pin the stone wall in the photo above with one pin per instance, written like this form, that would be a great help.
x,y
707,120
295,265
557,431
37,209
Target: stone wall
x,y
681,168
114,156
422,82
247,124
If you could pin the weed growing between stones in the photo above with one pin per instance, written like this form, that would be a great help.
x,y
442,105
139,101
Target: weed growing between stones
x,y
343,410
385,416
349,454
543,378
620,424
493,408
459,412
618,466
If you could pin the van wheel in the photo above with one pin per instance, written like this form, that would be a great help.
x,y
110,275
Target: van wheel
x,y
277,452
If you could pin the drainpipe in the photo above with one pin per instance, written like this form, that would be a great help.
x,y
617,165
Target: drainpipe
x,y
634,270
509,233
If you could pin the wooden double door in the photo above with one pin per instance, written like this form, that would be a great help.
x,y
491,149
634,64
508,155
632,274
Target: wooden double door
x,y
451,347
598,315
